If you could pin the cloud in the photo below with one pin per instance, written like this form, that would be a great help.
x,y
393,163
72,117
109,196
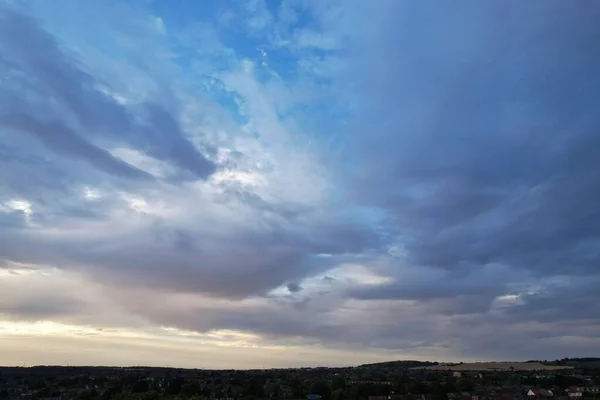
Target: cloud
x,y
45,76
65,142
233,237
476,150
428,283
293,287
422,186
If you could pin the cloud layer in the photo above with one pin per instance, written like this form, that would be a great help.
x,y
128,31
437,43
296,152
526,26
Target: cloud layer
x,y
287,176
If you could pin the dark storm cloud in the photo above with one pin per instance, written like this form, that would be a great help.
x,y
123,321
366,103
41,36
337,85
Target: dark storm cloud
x,y
293,287
43,76
483,137
570,300
426,284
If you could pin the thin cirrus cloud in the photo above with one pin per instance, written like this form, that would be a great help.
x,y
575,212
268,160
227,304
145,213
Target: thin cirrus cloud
x,y
284,176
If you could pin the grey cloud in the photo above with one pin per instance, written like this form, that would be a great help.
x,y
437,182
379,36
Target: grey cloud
x,y
42,71
34,297
293,287
570,300
12,219
41,307
169,142
247,260
388,325
320,320
55,184
503,339
27,172
486,282
480,150
64,141
244,262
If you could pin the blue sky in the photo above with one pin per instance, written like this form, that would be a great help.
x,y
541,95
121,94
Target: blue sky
x,y
237,184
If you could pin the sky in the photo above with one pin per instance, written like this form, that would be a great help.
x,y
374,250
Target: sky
x,y
261,183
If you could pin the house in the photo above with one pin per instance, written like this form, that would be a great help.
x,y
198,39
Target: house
x,y
537,393
459,396
558,392
481,393
408,397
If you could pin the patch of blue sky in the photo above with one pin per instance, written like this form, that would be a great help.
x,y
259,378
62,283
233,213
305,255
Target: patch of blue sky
x,y
269,61
190,59
322,120
73,27
245,47
182,13
283,62
217,91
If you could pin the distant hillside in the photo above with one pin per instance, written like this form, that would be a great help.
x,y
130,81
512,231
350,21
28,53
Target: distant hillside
x,y
400,364
500,366
584,362
532,365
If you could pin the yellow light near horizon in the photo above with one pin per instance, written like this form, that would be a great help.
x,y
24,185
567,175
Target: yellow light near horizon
x,y
218,338
36,328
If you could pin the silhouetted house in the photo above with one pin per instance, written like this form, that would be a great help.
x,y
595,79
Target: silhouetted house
x,y
540,394
379,397
459,396
405,397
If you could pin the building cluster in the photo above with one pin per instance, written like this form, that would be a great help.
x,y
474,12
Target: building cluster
x,y
387,381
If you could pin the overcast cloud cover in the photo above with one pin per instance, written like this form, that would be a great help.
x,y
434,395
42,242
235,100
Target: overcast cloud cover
x,y
282,183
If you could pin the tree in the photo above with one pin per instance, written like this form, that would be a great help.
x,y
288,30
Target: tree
x,y
140,386
339,382
112,392
43,393
466,385
191,389
297,389
206,391
416,386
400,384
321,388
255,387
40,384
174,386
338,394
85,395
438,392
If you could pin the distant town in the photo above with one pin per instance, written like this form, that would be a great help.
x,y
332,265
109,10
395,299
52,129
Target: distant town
x,y
566,379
